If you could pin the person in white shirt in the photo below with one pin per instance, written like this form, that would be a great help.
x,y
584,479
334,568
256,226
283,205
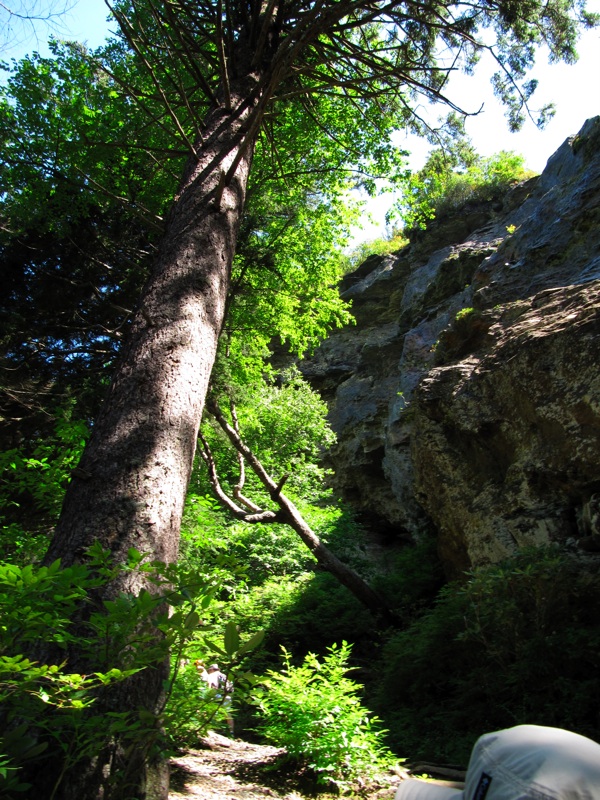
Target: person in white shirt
x,y
217,680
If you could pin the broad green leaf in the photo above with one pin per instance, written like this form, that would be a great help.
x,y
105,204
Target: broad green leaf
x,y
252,643
231,639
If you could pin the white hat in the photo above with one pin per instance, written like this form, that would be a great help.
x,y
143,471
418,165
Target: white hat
x,y
523,763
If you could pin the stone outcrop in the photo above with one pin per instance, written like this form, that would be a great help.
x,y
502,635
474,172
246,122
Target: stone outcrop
x,y
467,397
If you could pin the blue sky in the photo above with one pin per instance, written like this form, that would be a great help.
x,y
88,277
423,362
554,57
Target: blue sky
x,y
574,89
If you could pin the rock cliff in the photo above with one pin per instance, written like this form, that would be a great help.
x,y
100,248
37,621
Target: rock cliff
x,y
466,399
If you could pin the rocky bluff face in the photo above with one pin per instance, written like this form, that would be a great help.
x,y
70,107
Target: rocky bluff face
x,y
466,399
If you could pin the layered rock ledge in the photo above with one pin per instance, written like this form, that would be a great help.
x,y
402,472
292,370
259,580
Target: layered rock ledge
x,y
466,399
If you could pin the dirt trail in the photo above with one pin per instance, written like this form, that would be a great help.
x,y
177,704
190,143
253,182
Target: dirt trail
x,y
224,769
227,769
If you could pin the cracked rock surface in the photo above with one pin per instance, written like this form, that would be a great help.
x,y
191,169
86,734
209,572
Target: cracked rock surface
x,y
466,399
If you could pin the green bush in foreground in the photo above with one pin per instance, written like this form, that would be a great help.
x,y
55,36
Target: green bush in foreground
x,y
49,708
314,711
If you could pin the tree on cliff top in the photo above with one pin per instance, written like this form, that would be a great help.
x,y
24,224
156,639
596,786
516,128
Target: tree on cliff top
x,y
214,75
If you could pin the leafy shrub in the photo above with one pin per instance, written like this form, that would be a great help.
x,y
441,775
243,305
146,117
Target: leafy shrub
x,y
190,712
381,246
32,487
413,578
257,553
269,550
192,706
446,184
238,555
323,612
314,711
205,546
302,613
37,605
48,707
517,642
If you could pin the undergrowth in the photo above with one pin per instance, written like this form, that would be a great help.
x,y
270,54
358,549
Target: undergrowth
x,y
518,642
314,711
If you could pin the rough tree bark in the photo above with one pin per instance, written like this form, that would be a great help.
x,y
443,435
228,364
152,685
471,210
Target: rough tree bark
x,y
129,488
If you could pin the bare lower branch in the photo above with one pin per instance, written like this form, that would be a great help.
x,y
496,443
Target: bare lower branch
x,y
289,514
237,489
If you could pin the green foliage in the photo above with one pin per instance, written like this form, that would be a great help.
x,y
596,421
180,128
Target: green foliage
x,y
270,605
34,478
17,747
255,554
288,262
37,605
266,576
193,707
450,180
44,701
314,711
518,642
88,183
306,614
270,550
412,577
267,582
91,160
337,526
464,312
205,546
378,247
79,226
265,572
284,424
78,115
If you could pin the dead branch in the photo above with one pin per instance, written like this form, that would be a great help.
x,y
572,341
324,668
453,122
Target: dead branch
x,y
288,514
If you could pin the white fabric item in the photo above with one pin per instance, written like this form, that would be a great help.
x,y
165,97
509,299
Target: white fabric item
x,y
415,789
528,762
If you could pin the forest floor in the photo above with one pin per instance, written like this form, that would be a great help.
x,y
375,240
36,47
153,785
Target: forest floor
x,y
231,769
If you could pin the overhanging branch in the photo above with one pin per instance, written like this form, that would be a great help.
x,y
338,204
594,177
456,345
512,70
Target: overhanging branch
x,y
290,515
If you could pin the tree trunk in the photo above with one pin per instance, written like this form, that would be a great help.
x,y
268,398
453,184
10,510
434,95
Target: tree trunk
x,y
129,488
